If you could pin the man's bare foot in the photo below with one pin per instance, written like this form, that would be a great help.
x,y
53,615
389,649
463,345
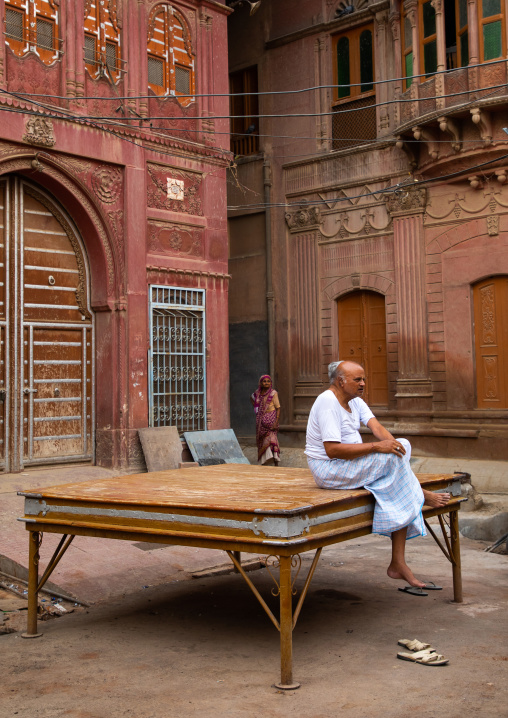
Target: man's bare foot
x,y
435,500
403,572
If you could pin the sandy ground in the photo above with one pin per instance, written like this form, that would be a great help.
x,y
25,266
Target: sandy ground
x,y
204,647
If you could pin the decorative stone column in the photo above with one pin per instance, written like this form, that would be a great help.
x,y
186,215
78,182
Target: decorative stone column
x,y
306,365
414,386
441,51
2,47
382,70
411,8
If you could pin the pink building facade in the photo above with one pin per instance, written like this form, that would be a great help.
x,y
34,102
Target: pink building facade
x,y
113,157
378,209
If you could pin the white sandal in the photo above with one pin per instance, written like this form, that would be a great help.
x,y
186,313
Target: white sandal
x,y
415,645
426,658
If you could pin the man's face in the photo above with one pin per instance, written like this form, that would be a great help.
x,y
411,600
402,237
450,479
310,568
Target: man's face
x,y
353,383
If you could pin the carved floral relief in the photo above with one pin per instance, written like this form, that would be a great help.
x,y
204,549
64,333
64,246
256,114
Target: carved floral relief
x,y
466,202
107,183
175,239
157,189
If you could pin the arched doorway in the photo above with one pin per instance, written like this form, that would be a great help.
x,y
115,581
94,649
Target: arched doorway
x,y
362,338
46,325
490,299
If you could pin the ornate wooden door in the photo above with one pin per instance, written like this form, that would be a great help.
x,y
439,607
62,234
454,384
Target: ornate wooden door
x,y
490,299
362,338
46,370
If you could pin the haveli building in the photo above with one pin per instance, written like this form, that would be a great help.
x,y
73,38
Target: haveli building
x,y
113,156
369,216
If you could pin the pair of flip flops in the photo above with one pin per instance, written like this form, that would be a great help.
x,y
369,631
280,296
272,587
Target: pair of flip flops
x,y
416,591
421,653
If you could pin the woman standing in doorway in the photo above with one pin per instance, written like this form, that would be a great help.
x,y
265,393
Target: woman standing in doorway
x,y
265,401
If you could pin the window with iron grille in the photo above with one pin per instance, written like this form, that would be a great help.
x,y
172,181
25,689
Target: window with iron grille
x,y
182,80
14,24
170,55
90,53
33,27
155,71
111,62
354,111
244,111
177,388
103,45
45,34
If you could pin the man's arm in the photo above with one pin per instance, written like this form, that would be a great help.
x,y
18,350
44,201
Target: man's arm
x,y
336,450
379,430
385,444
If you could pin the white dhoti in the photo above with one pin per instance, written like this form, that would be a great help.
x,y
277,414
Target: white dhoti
x,y
389,478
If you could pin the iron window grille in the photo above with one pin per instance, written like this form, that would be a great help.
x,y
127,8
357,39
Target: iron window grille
x,y
177,358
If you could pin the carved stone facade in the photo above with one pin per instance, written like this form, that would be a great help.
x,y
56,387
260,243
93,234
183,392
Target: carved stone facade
x,y
417,218
86,144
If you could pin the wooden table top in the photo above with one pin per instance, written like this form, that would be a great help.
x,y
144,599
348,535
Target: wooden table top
x,y
224,488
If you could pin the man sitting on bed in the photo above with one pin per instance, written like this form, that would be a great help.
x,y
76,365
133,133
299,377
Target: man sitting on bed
x,y
339,459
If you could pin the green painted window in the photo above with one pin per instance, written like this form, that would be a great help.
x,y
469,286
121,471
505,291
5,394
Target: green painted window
x,y
366,62
492,40
462,14
408,33
409,69
343,72
464,50
429,19
430,57
491,7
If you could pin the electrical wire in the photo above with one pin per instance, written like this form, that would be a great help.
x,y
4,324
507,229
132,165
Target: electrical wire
x,y
399,187
267,93
138,143
333,113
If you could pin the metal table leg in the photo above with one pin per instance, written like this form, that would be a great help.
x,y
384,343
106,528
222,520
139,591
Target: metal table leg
x,y
455,551
35,539
286,626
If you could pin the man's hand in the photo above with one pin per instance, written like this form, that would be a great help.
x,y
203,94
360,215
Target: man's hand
x,y
389,446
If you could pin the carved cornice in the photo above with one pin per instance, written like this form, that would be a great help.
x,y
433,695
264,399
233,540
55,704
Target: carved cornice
x,y
405,201
187,272
152,141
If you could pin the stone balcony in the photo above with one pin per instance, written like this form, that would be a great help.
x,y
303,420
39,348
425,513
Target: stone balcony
x,y
455,113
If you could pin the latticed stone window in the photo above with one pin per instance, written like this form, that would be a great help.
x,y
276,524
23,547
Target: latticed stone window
x,y
354,109
32,26
171,68
102,49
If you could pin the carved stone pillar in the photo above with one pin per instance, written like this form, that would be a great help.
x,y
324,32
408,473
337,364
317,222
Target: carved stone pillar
x,y
304,298
142,85
414,386
2,47
396,86
77,10
205,76
411,8
441,51
472,21
322,97
382,70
